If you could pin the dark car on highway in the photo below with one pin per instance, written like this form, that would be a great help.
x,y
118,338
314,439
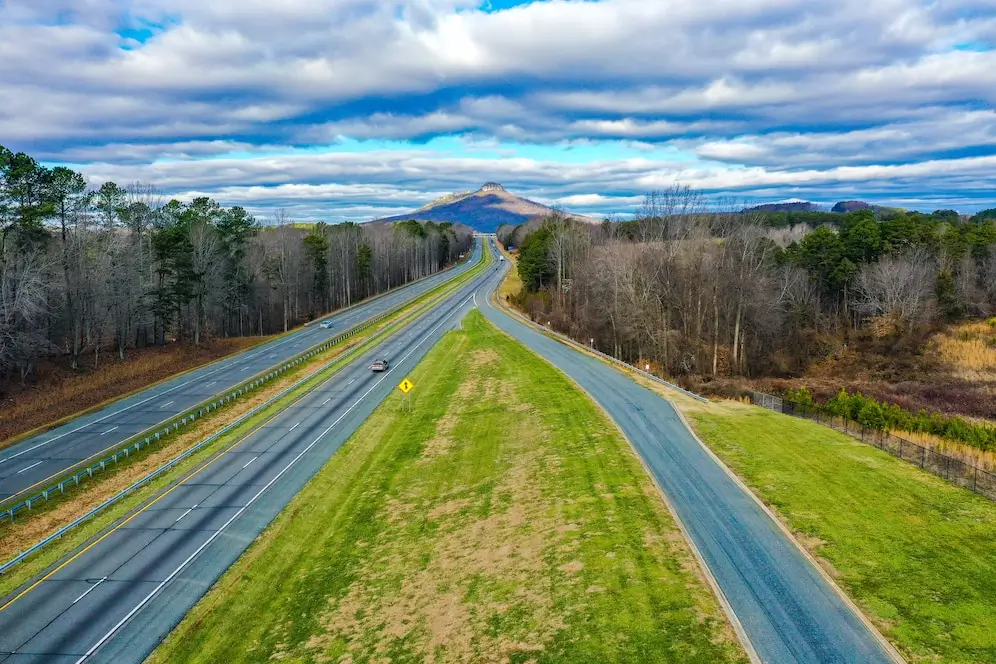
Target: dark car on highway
x,y
379,365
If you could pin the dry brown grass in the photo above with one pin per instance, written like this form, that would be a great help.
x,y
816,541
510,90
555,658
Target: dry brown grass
x,y
63,392
969,350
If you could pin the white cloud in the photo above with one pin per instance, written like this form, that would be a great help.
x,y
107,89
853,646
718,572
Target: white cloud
x,y
790,93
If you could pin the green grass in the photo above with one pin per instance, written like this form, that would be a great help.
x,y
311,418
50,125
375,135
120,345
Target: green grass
x,y
505,519
916,553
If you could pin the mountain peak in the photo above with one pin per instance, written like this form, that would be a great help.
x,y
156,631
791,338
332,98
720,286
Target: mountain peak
x,y
483,210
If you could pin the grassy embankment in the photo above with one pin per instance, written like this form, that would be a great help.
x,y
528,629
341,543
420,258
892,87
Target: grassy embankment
x,y
504,520
51,515
916,553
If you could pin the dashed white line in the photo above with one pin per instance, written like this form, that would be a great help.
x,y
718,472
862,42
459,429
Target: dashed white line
x,y
185,514
351,382
326,401
295,426
249,463
27,468
245,368
166,404
210,384
90,589
108,431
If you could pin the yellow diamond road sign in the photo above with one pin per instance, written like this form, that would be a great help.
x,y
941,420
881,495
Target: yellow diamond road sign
x,y
406,385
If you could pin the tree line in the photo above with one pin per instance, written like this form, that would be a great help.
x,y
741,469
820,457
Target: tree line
x,y
728,293
86,270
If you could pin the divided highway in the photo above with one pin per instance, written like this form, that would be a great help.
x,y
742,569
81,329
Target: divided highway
x,y
788,611
117,598
33,463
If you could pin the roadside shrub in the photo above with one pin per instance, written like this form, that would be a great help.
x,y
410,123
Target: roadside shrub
x,y
871,416
889,416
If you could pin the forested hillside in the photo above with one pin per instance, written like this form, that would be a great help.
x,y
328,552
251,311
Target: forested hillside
x,y
746,293
84,271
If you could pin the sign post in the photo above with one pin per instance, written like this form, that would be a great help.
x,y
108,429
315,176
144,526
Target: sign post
x,y
406,386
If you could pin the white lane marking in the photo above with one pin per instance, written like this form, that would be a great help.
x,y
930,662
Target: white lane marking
x,y
90,590
185,514
27,468
172,575
351,382
109,430
210,384
249,463
295,426
245,368
475,299
166,404
326,401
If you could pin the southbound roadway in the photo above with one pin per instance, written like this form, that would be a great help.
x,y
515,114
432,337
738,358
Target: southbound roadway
x,y
119,595
34,463
787,610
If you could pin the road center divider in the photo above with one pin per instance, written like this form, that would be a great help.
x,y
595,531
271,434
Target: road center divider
x,y
87,468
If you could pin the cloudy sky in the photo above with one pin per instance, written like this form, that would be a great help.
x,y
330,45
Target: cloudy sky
x,y
351,109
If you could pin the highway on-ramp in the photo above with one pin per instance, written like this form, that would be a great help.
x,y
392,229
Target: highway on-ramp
x,y
787,609
120,595
31,464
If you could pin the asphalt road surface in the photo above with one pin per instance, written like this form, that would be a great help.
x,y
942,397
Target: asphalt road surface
x,y
789,612
114,601
35,462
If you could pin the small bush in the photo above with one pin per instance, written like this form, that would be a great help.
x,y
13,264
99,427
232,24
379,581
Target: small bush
x,y
889,416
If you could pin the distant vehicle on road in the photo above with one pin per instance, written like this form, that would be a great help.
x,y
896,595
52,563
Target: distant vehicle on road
x,y
379,365
326,324
501,258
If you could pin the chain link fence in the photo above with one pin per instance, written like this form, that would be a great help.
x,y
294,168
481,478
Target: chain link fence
x,y
953,470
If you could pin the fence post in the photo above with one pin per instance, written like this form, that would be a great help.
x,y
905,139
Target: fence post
x,y
923,456
975,480
901,441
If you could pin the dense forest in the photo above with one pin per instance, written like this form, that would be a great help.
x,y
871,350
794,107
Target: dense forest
x,y
746,293
85,271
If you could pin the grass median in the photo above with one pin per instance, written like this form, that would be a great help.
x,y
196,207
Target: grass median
x,y
505,519
51,515
916,553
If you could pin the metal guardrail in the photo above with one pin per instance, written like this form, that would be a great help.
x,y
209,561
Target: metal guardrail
x,y
242,419
137,443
